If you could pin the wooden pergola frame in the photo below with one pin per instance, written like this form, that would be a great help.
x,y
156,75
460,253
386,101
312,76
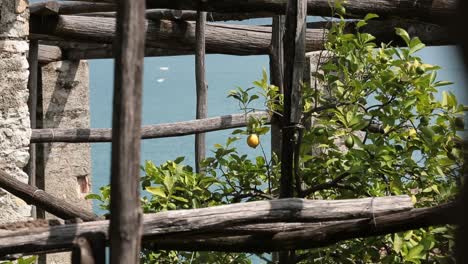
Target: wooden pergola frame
x,y
61,30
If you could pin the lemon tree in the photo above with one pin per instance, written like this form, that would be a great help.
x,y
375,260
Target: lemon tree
x,y
377,100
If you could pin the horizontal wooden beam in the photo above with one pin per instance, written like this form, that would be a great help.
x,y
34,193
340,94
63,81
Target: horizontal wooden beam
x,y
68,7
171,14
384,31
267,222
43,200
293,236
440,10
147,132
48,53
165,34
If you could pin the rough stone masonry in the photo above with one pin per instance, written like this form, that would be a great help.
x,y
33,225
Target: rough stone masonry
x,y
15,129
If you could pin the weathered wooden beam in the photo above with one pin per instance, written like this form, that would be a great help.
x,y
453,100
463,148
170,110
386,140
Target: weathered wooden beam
x,y
125,212
165,34
293,236
68,7
171,14
48,53
39,198
267,222
147,132
202,88
384,31
402,8
439,11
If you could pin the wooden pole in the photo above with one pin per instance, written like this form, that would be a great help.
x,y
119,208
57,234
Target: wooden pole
x,y
40,148
461,243
126,215
32,104
276,78
73,135
202,87
41,199
294,58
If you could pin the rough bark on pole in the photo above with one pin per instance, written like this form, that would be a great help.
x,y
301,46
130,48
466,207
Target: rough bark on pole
x,y
461,244
33,59
41,199
40,160
276,78
202,97
294,56
126,215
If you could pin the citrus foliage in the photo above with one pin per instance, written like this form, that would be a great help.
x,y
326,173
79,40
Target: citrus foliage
x,y
380,101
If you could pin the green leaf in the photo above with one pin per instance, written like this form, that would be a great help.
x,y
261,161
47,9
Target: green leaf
x,y
442,83
370,16
417,48
403,34
180,199
169,183
361,23
93,196
158,191
179,160
416,252
397,243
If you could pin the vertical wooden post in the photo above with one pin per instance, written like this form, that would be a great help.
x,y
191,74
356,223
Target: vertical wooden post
x,y
32,103
276,78
200,145
294,57
126,215
40,155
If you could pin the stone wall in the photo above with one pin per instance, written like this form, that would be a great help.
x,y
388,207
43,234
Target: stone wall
x,y
15,129
65,104
65,168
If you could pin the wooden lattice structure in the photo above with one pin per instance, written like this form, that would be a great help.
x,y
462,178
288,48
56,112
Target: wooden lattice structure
x,y
63,30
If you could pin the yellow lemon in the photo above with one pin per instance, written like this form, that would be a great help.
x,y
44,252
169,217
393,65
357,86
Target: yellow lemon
x,y
253,140
412,132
